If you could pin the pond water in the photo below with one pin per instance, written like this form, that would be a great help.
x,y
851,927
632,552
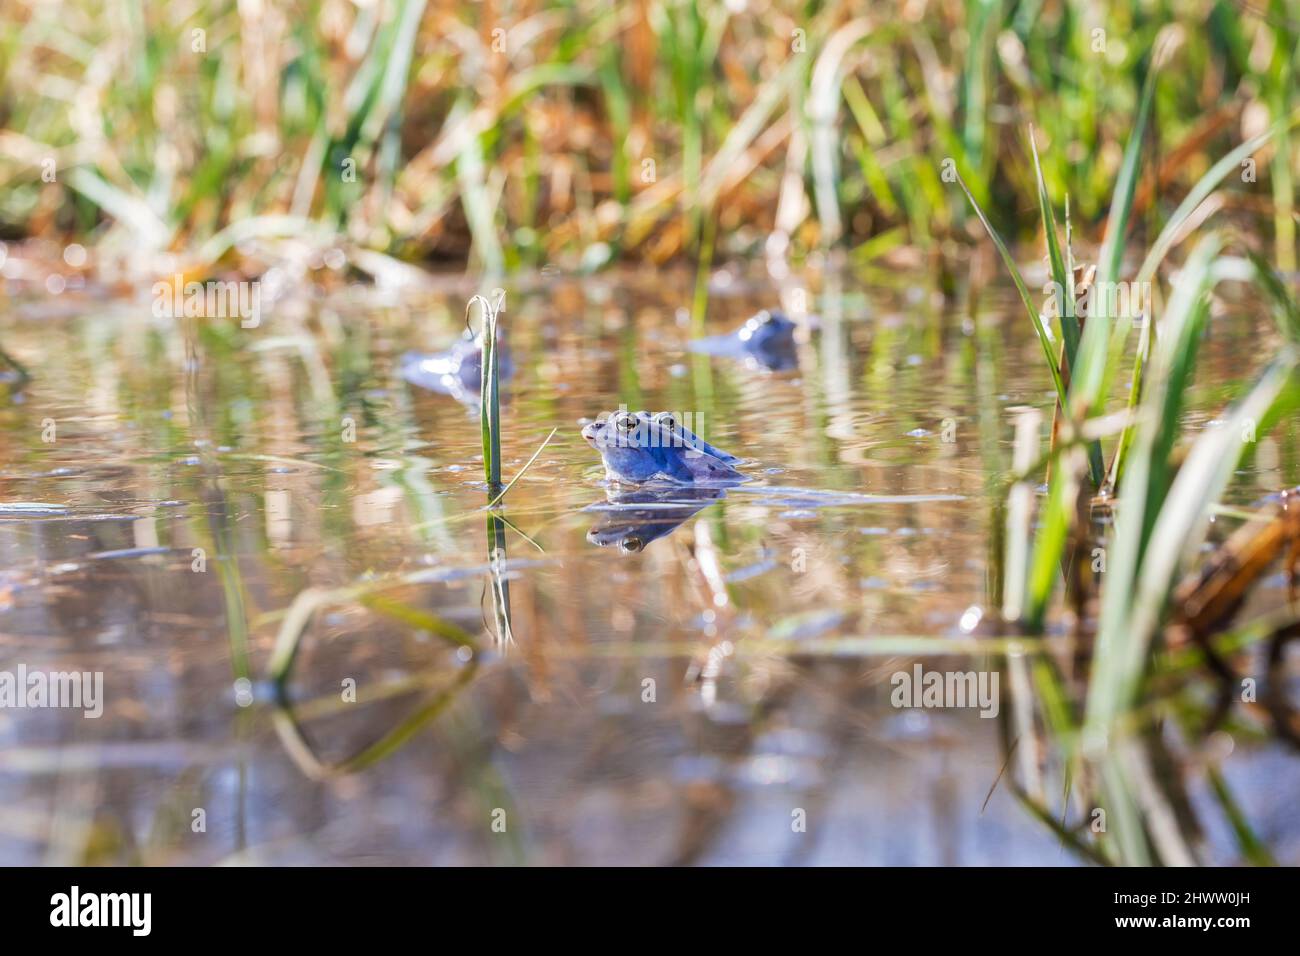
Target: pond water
x,y
721,695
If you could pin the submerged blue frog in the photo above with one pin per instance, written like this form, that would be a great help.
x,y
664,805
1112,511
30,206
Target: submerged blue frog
x,y
641,447
766,340
457,371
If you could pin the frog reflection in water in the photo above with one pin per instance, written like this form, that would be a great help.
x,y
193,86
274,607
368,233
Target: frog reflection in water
x,y
457,371
631,519
643,447
766,340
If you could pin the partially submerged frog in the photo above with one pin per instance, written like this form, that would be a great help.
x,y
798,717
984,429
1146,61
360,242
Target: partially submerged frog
x,y
457,371
676,474
641,447
766,339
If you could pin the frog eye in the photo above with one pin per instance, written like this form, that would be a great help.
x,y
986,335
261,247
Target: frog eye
x,y
624,422
631,544
666,421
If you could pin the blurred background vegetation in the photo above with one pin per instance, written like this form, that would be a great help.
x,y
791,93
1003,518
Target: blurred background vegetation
x,y
505,135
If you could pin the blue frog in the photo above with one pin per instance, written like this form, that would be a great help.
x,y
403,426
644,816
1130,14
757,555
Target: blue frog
x,y
641,447
766,340
457,371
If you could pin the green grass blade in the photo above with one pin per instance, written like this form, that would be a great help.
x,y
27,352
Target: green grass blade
x,y
1064,285
1174,359
1248,841
1146,482
1136,385
528,464
489,393
1034,317
1060,274
1051,537
1088,379
1287,312
1199,193
1180,527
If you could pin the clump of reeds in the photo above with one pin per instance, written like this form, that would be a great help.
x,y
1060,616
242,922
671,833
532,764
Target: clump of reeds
x,y
1161,488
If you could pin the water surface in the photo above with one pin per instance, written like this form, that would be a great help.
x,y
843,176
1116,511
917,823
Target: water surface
x,y
202,476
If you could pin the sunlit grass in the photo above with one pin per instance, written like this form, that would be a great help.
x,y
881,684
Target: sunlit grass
x,y
579,133
490,391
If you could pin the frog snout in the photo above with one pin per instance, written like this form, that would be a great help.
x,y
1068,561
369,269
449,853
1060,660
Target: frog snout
x,y
589,431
